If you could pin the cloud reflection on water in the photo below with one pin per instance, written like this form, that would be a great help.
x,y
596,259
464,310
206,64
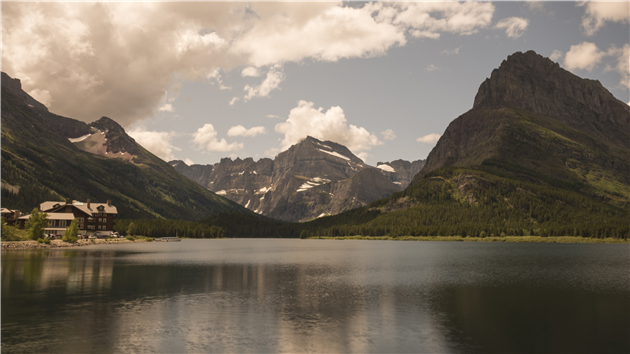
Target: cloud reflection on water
x,y
309,296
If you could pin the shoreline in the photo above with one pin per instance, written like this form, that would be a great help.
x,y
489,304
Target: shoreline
x,y
28,245
513,239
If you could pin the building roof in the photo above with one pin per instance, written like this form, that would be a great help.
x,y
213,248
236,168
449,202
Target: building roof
x,y
52,216
5,211
94,207
60,216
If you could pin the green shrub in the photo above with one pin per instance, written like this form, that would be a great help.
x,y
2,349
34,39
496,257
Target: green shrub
x,y
36,224
72,232
8,233
130,238
45,240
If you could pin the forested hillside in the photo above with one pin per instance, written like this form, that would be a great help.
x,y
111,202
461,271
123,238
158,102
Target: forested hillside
x,y
488,200
40,164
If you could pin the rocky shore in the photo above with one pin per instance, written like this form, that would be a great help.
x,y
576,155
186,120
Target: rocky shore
x,y
26,245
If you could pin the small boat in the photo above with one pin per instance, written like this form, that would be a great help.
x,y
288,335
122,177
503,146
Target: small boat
x,y
169,239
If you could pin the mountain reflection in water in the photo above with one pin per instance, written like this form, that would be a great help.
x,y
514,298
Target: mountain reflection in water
x,y
316,296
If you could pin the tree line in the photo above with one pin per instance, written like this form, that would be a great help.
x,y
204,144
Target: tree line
x,y
164,228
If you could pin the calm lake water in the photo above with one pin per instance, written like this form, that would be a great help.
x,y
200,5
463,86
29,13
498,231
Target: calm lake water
x,y
257,296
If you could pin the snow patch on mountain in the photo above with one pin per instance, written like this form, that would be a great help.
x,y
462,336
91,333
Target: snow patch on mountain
x,y
387,168
79,139
336,154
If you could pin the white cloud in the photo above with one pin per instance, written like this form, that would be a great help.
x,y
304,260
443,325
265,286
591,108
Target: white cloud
x,y
556,55
623,63
586,55
388,134
427,19
216,75
189,162
271,82
429,138
206,138
322,31
623,66
233,101
597,13
305,120
167,107
514,26
272,151
583,56
250,71
159,143
363,155
535,6
118,58
452,51
42,96
240,130
432,67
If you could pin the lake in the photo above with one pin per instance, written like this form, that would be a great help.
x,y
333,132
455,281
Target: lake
x,y
275,295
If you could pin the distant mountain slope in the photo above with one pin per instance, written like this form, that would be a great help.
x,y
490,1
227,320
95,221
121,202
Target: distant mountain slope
x,y
40,163
401,172
542,152
311,179
536,115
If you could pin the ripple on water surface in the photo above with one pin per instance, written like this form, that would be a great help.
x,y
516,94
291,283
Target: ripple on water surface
x,y
317,296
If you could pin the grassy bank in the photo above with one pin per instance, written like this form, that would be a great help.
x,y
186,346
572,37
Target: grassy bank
x,y
554,239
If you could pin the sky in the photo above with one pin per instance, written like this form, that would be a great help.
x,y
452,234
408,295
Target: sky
x,y
201,81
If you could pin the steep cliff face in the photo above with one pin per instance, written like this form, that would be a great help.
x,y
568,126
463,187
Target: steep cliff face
x,y
400,172
533,83
311,179
533,114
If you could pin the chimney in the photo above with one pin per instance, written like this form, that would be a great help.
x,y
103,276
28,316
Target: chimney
x,y
88,203
68,200
109,203
17,215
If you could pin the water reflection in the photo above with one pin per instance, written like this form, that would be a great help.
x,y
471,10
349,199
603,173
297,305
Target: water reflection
x,y
41,270
313,297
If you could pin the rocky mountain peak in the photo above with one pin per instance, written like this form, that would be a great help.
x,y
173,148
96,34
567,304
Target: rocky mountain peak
x,y
106,123
311,179
533,83
532,113
313,148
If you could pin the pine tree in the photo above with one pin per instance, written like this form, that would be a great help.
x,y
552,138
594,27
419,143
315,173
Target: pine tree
x,y
132,229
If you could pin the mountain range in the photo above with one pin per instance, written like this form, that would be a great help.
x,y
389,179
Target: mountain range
x,y
311,179
542,152
49,157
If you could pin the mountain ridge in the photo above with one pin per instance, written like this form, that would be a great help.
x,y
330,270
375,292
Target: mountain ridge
x,y
311,179
39,163
501,170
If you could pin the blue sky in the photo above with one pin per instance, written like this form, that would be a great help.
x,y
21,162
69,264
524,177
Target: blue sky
x,y
201,81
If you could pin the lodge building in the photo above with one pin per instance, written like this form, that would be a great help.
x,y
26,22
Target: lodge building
x,y
91,217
